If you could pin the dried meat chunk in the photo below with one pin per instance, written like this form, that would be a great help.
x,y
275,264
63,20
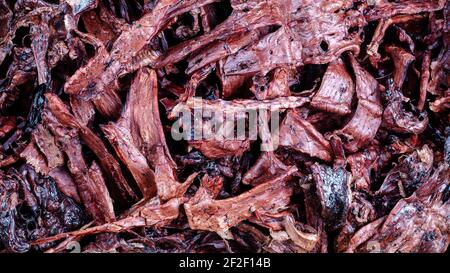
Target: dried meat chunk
x,y
147,215
402,60
266,168
419,223
220,215
102,71
111,167
333,190
298,134
361,165
336,91
410,173
139,140
398,119
364,124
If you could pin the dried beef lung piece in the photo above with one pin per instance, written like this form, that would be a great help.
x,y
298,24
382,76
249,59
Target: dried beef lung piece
x,y
265,87
205,213
12,235
410,173
148,214
361,213
103,70
32,207
298,134
219,149
333,190
59,115
402,60
366,120
398,119
224,117
361,165
141,141
385,8
294,237
419,223
336,91
266,168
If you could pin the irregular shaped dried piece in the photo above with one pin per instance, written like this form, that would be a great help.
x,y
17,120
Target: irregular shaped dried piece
x,y
364,234
97,27
6,16
439,76
227,114
209,187
306,240
11,235
278,86
317,34
125,144
333,189
409,174
396,118
336,91
79,6
300,135
238,105
440,105
7,125
361,165
139,140
39,45
424,79
102,71
419,223
122,142
220,215
402,60
106,160
266,168
46,158
363,126
235,32
218,149
50,211
273,50
361,213
94,197
383,25
147,215
65,183
83,110
21,70
101,192
35,158
313,214
292,237
46,143
386,9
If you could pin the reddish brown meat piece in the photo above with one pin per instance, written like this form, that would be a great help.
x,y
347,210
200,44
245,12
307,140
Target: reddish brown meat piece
x,y
266,168
107,161
300,135
424,214
220,215
333,190
363,126
336,92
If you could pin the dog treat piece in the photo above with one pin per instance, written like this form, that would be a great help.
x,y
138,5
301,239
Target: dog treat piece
x,y
284,126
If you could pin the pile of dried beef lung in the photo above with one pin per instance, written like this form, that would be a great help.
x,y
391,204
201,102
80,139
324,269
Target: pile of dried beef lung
x,y
89,91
